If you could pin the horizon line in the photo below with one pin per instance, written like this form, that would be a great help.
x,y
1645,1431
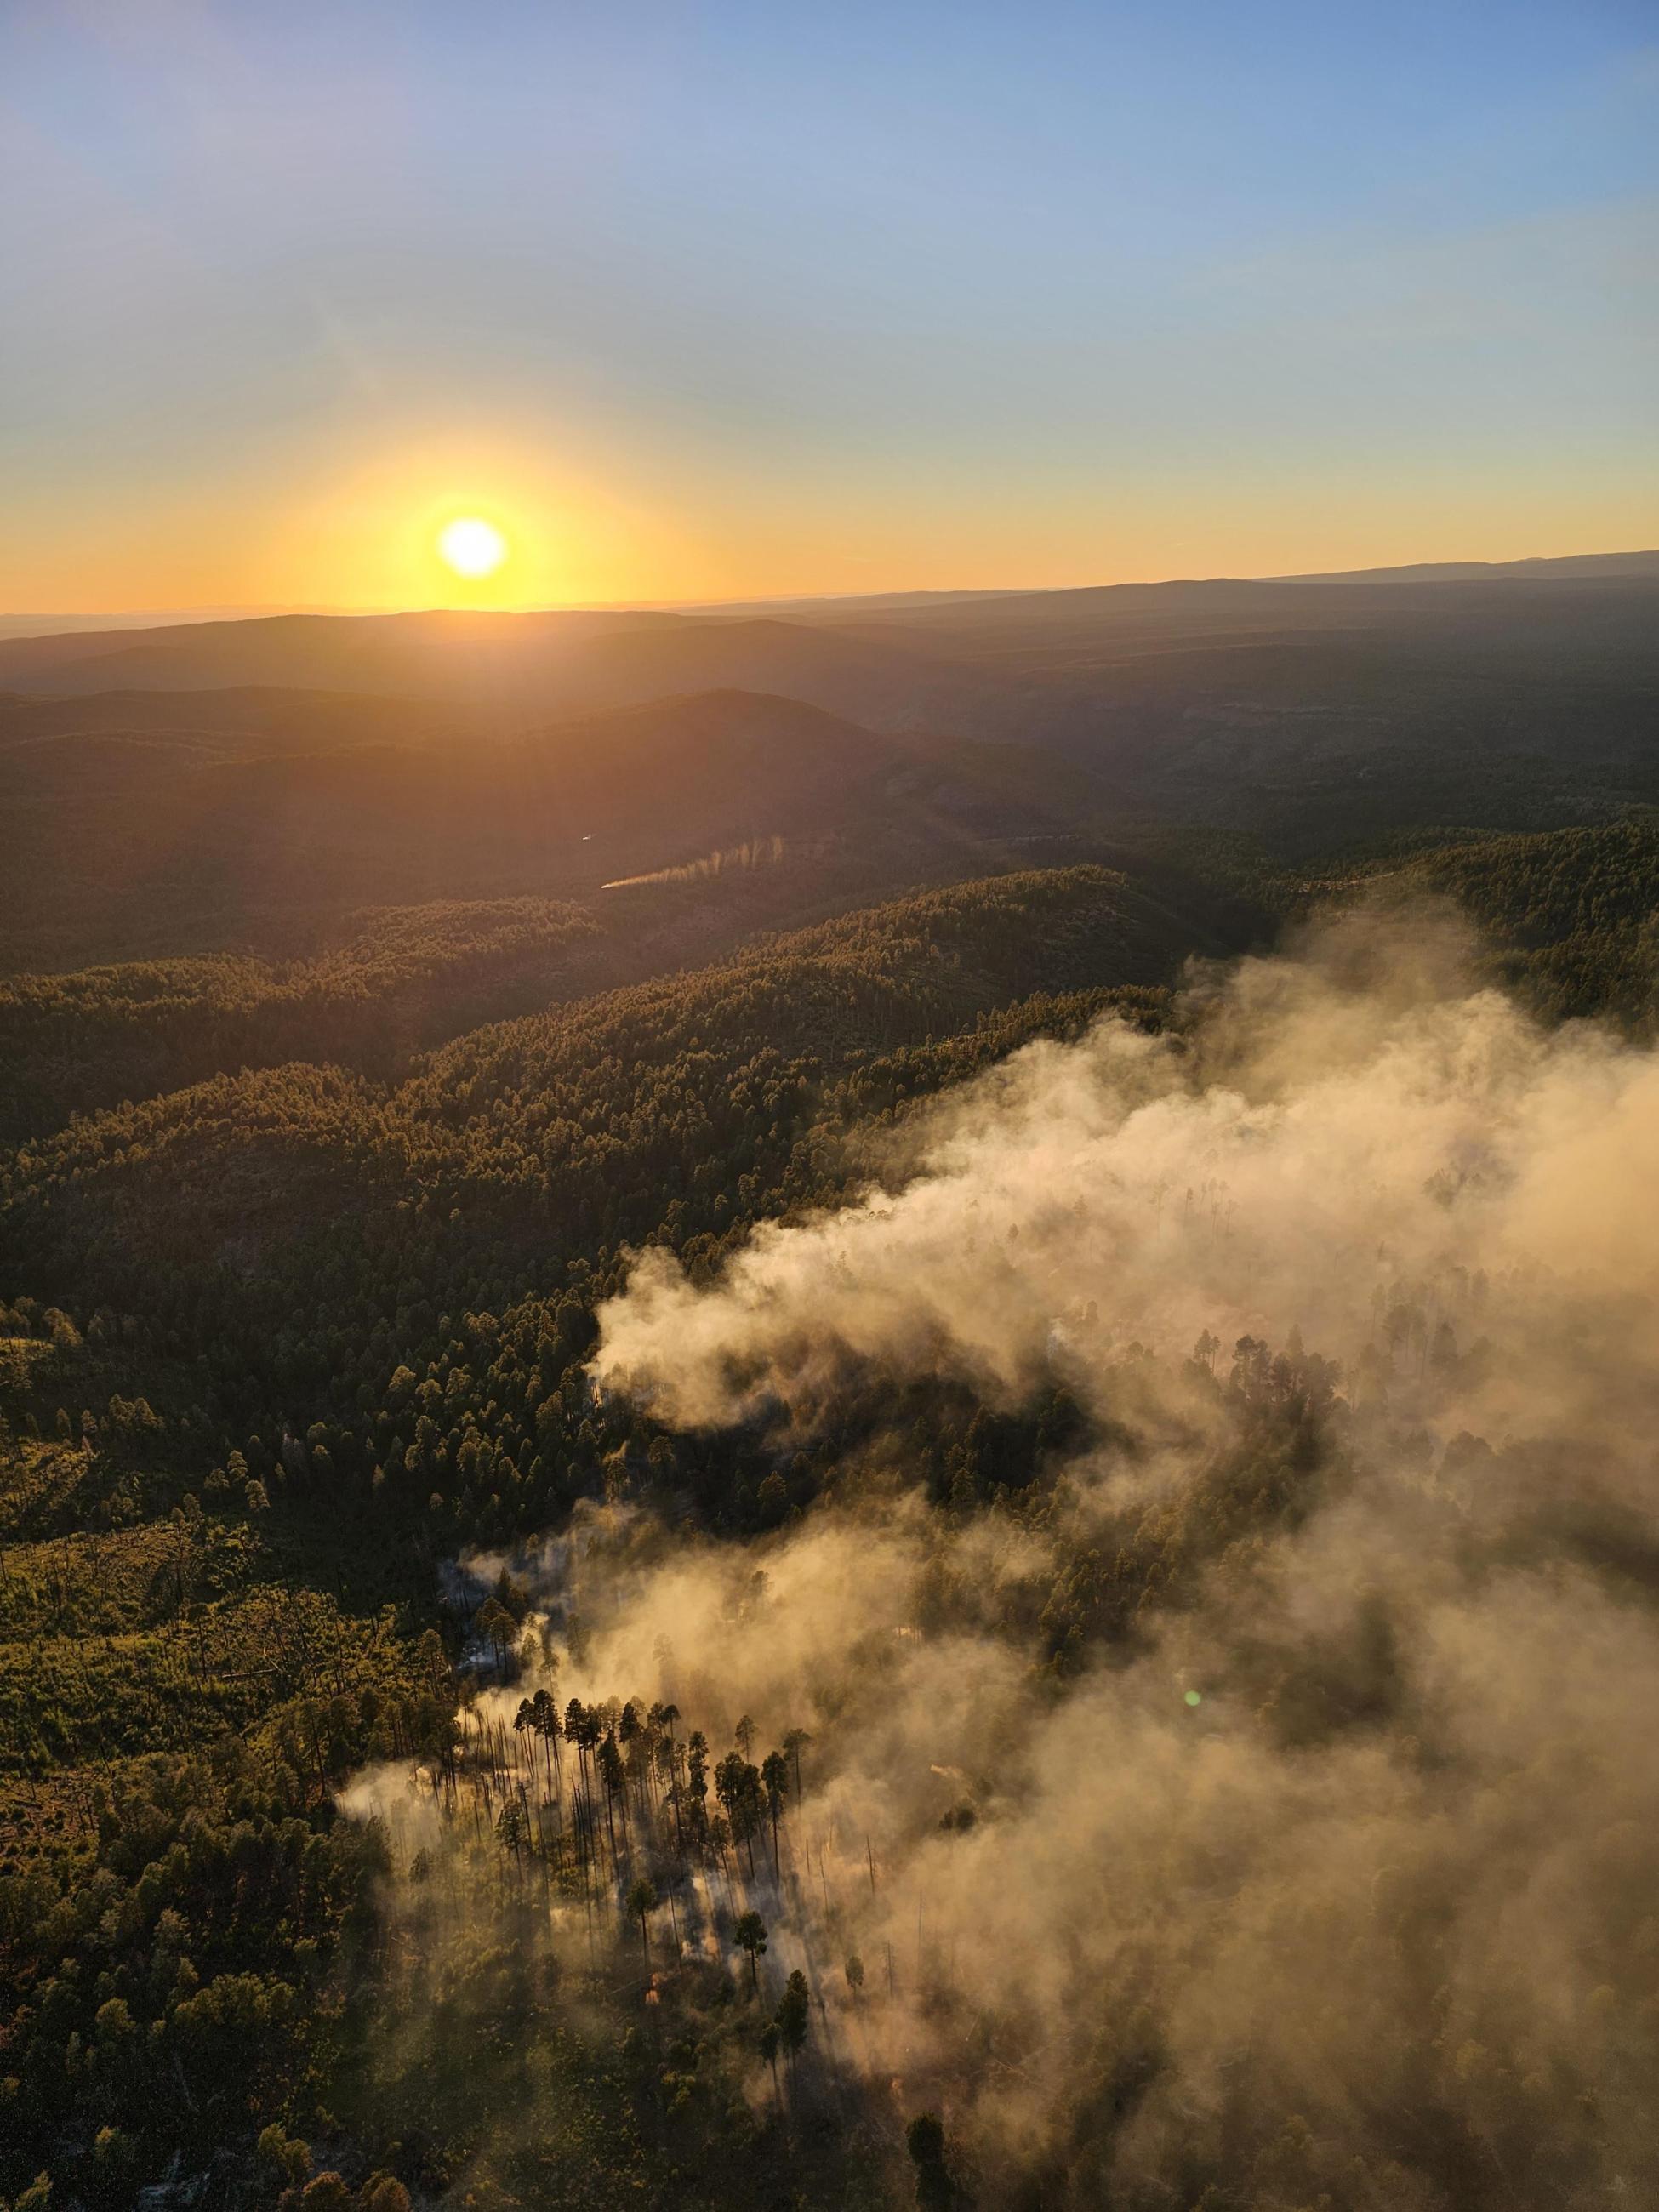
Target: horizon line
x,y
138,618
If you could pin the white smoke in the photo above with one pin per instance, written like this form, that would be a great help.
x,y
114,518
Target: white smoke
x,y
1320,1135
1327,1881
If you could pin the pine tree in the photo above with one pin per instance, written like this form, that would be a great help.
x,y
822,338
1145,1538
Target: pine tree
x,y
749,1936
641,1903
775,1776
793,2013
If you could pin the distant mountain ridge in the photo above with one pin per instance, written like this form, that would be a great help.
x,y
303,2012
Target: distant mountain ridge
x,y
793,606
159,786
1543,568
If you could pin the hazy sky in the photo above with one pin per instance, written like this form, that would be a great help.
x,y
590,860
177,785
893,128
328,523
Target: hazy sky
x,y
739,298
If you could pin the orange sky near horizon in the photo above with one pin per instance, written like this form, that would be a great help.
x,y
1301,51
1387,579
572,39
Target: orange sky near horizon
x,y
366,539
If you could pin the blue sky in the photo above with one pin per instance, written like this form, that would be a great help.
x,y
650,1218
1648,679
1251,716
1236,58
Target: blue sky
x,y
800,297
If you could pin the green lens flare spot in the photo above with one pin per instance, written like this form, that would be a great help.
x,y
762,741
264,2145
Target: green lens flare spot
x,y
1193,1698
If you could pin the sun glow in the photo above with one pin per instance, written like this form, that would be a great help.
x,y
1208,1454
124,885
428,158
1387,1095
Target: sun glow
x,y
471,546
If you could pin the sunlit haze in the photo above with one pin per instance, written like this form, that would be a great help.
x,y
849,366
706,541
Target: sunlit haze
x,y
740,300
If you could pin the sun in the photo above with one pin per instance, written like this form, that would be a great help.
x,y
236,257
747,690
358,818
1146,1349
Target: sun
x,y
471,546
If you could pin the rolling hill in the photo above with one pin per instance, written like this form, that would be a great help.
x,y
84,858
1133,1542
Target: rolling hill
x,y
136,843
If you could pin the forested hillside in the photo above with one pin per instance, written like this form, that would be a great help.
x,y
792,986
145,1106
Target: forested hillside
x,y
412,976
1575,908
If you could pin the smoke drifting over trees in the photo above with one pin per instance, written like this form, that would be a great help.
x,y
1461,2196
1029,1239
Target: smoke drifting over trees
x,y
1328,1141
1254,1805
